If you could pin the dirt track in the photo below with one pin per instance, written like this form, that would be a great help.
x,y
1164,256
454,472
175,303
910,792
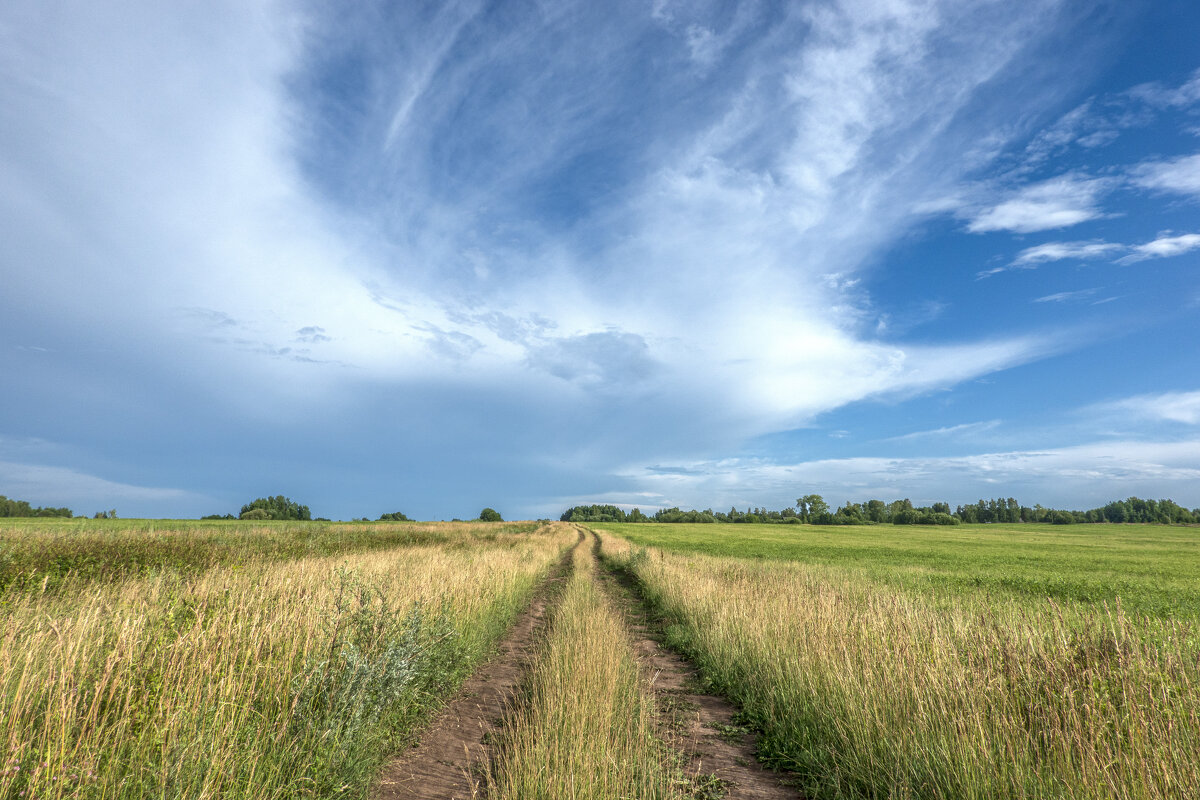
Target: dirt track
x,y
453,755
700,726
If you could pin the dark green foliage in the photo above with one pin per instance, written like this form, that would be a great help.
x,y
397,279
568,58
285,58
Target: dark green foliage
x,y
675,515
277,507
490,515
395,516
219,516
812,509
21,508
912,516
595,514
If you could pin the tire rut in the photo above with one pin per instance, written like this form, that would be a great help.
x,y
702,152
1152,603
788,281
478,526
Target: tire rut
x,y
718,754
449,760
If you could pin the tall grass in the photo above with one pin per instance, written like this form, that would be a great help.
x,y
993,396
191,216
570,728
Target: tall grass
x,y
869,692
264,679
42,553
587,730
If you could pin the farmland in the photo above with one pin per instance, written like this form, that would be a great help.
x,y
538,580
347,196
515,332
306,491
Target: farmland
x,y
302,659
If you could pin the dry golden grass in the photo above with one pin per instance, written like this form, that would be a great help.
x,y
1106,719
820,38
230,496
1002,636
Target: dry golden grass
x,y
587,730
202,684
866,691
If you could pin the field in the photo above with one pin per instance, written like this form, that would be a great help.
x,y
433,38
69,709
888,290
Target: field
x,y
175,659
289,660
1153,569
982,661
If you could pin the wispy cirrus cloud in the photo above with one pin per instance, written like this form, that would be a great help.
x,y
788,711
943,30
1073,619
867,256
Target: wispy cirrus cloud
x,y
1178,175
1181,407
1058,251
1160,95
1162,247
1165,246
421,221
1063,297
952,431
1055,203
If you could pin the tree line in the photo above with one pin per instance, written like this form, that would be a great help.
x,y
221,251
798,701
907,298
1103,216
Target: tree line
x,y
21,508
812,509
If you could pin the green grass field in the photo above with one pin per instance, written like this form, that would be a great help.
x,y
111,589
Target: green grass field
x,y
1153,569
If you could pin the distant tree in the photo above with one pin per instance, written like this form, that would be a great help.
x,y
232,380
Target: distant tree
x,y
21,508
490,515
255,513
219,516
812,506
277,507
395,516
607,513
877,511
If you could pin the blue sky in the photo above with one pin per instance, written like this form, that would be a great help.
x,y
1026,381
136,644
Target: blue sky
x,y
434,256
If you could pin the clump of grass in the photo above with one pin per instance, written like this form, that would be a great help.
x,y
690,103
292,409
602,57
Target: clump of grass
x,y
867,691
269,679
587,729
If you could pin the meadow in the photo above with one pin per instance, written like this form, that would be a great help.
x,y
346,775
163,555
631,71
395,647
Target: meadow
x,y
976,662
226,659
294,660
1152,569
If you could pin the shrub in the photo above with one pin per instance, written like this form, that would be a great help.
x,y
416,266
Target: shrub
x,y
490,515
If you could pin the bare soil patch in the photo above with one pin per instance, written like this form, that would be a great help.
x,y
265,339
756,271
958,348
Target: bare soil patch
x,y
452,756
719,754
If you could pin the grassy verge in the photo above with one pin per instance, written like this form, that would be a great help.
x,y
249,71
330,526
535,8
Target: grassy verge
x,y
865,691
43,554
264,679
587,729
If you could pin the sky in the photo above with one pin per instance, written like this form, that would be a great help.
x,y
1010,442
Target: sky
x,y
435,256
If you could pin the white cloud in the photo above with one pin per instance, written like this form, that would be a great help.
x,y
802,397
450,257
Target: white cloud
x,y
1058,251
1163,247
84,493
422,249
1062,297
1179,175
1183,407
1056,203
1083,475
953,431
1155,94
